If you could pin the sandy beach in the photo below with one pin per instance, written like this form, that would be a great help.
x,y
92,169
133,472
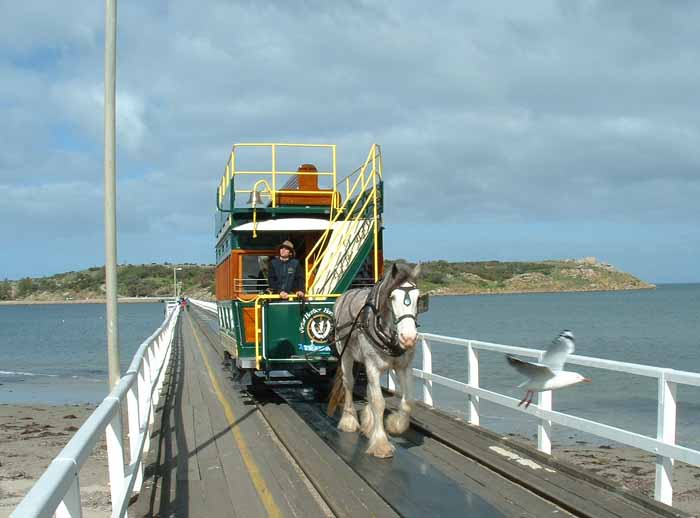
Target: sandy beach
x,y
626,467
32,435
635,470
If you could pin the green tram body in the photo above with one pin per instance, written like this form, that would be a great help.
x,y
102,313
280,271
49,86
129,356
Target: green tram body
x,y
292,335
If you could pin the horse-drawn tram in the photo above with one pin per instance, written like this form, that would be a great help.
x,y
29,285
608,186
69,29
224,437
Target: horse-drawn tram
x,y
290,238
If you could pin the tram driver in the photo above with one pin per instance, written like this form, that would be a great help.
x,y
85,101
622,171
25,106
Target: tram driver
x,y
285,273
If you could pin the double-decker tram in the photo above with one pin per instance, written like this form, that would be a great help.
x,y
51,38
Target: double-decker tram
x,y
273,194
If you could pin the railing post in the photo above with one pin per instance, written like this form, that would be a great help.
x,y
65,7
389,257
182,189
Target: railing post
x,y
115,457
544,426
151,380
144,392
132,400
666,432
427,367
473,380
70,506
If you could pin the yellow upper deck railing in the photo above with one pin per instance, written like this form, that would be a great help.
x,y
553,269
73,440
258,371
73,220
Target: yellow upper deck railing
x,y
361,189
273,177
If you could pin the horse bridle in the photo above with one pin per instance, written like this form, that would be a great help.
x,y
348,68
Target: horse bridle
x,y
388,344
406,302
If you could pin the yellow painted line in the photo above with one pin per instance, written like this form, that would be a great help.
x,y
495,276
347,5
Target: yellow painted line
x,y
253,469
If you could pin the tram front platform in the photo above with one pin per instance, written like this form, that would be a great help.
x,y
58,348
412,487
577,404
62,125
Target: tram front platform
x,y
217,451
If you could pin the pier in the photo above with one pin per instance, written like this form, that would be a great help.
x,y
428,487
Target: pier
x,y
213,449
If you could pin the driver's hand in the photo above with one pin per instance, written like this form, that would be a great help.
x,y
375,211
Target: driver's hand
x,y
284,295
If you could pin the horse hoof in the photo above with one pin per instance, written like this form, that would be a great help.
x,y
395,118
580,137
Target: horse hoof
x,y
348,423
381,450
396,423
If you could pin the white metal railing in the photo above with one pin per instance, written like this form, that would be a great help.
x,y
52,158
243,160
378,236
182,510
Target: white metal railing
x,y
209,306
57,492
663,446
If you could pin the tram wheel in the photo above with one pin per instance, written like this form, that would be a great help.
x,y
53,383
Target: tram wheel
x,y
244,378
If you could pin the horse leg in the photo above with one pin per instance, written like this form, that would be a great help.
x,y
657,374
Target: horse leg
x,y
348,422
379,444
397,423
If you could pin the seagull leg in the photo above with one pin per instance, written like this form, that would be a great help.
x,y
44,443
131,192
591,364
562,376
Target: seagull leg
x,y
527,394
529,401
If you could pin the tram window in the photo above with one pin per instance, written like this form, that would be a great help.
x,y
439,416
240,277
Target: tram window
x,y
254,275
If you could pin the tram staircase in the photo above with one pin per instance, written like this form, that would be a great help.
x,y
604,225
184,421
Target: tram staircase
x,y
342,250
348,246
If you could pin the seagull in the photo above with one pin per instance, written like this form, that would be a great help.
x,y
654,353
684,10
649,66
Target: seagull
x,y
548,375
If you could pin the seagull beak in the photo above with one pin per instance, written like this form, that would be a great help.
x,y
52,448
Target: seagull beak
x,y
587,380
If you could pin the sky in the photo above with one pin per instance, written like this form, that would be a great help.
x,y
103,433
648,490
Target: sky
x,y
509,130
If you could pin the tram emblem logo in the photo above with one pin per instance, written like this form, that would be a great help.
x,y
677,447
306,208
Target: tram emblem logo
x,y
318,324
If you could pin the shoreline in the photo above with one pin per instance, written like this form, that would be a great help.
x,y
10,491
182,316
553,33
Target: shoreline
x,y
525,292
153,300
121,300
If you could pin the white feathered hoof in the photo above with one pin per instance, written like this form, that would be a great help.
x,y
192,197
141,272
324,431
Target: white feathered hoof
x,y
348,423
397,423
367,421
381,449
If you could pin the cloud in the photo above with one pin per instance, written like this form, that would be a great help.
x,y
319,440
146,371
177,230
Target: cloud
x,y
561,111
83,105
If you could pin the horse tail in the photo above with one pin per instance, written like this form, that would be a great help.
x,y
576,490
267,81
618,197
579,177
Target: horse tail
x,y
337,395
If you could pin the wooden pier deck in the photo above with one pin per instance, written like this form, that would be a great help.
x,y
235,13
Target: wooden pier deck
x,y
216,451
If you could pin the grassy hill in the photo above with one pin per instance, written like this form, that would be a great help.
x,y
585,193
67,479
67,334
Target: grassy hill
x,y
144,280
438,278
443,278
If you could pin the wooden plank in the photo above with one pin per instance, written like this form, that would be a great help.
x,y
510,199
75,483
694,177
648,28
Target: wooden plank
x,y
509,498
240,488
574,494
235,479
159,494
342,489
294,489
214,484
290,493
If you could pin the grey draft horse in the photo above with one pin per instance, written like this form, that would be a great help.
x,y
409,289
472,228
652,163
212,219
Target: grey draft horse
x,y
377,326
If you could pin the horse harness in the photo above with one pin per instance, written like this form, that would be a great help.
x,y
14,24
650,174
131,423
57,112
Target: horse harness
x,y
369,319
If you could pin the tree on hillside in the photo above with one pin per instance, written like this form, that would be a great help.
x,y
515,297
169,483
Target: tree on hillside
x,y
25,287
5,290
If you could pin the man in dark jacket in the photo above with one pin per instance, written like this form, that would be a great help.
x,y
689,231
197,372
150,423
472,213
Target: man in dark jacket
x,y
285,275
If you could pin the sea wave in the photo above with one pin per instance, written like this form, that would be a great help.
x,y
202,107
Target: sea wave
x,y
21,373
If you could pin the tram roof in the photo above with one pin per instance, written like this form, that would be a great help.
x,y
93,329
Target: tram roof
x,y
285,225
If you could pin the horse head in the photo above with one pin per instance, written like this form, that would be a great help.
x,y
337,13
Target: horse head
x,y
404,295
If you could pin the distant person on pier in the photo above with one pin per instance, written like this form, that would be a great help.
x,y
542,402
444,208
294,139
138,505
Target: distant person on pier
x,y
285,275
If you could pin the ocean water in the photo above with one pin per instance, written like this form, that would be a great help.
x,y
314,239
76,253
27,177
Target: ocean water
x,y
55,354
